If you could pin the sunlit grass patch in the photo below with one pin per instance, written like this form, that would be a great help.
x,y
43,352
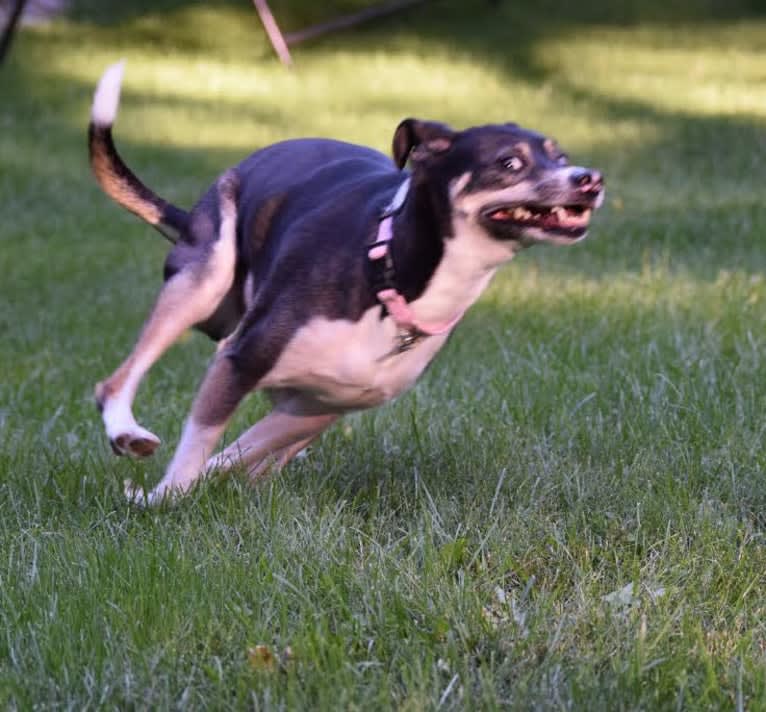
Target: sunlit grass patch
x,y
709,68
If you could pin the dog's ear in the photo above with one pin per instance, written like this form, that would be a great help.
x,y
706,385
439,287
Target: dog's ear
x,y
418,140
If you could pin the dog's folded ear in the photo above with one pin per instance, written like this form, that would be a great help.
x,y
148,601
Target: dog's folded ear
x,y
418,140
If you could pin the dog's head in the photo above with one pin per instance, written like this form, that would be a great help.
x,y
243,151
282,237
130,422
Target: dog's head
x,y
516,185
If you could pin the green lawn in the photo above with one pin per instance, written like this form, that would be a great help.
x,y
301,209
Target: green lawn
x,y
569,510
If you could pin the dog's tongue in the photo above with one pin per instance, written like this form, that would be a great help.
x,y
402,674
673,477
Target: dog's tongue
x,y
502,214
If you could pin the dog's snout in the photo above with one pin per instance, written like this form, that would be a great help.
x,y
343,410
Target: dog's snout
x,y
587,181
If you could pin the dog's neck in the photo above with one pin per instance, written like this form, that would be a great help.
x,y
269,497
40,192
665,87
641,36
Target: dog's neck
x,y
417,246
443,261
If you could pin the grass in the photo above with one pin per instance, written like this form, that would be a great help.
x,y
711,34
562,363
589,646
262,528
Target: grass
x,y
567,512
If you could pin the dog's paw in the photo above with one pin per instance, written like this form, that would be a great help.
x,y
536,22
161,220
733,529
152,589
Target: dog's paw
x,y
138,443
134,493
158,497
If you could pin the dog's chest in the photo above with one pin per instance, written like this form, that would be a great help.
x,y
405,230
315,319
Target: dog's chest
x,y
351,364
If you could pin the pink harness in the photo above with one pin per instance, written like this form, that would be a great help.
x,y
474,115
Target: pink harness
x,y
410,328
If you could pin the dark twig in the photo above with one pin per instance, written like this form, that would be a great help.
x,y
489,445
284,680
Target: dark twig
x,y
272,30
345,21
10,28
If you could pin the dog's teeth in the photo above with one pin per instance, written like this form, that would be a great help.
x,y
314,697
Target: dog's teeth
x,y
521,213
559,211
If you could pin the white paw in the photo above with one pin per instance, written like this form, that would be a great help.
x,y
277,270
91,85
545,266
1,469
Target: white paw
x,y
159,496
136,442
125,435
135,494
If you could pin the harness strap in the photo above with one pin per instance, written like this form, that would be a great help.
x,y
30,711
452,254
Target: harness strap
x,y
387,294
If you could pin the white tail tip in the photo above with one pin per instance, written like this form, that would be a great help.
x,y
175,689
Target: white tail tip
x,y
107,96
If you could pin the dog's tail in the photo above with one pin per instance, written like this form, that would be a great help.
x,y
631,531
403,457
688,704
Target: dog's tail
x,y
116,179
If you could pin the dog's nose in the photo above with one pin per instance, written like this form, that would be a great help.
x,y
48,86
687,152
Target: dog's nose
x,y
587,181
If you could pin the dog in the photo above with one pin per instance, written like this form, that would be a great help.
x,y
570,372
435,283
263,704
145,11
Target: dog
x,y
330,275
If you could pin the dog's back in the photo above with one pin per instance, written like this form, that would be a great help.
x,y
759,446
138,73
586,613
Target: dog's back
x,y
331,195
300,200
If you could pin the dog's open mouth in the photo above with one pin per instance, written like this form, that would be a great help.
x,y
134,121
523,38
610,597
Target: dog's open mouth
x,y
567,220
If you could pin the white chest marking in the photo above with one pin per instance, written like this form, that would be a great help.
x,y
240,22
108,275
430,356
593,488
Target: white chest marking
x,y
470,260
349,364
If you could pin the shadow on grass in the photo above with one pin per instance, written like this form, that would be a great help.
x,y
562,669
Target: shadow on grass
x,y
290,12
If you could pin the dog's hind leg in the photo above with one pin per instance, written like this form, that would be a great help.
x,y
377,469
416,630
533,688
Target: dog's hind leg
x,y
187,298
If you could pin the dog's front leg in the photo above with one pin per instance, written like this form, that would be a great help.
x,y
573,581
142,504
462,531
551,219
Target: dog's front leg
x,y
276,438
280,458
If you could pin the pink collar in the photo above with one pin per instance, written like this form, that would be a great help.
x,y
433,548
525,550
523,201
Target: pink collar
x,y
390,297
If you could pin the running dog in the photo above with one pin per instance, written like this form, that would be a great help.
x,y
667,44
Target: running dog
x,y
330,275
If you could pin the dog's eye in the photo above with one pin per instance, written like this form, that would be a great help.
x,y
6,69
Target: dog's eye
x,y
513,163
